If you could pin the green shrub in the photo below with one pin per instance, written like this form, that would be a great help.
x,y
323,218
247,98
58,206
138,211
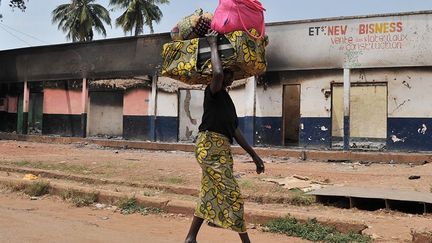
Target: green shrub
x,y
37,189
314,231
131,205
85,200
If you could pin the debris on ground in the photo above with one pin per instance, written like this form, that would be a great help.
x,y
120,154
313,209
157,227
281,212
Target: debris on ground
x,y
366,163
302,183
421,237
303,178
339,160
100,206
30,177
414,177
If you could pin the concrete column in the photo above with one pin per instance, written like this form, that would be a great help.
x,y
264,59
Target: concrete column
x,y
84,104
347,88
153,108
250,101
26,100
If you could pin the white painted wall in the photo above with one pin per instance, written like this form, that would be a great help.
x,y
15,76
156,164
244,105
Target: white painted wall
x,y
237,96
244,98
314,84
399,40
313,102
409,90
250,96
190,113
167,104
410,85
269,101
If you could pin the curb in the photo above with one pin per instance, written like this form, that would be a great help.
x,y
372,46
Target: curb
x,y
181,207
168,188
304,154
91,180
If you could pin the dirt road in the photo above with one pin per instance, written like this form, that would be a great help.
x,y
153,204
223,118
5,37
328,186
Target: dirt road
x,y
180,169
52,220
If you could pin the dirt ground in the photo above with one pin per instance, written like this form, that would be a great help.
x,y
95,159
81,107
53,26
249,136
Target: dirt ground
x,y
52,220
180,168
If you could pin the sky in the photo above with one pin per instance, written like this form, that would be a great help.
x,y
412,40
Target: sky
x,y
34,27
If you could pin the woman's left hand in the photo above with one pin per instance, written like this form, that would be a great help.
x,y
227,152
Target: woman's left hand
x,y
260,168
212,37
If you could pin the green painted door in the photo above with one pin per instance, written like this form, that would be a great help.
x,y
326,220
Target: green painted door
x,y
20,114
35,114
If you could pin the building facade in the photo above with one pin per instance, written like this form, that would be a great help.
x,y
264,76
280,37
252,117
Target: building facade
x,y
342,83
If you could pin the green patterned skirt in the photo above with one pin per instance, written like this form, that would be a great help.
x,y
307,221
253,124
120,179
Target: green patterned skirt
x,y
220,201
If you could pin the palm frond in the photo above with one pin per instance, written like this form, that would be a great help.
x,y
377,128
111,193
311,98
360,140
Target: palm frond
x,y
138,13
79,18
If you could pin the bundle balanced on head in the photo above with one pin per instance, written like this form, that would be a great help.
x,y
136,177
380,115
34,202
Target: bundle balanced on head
x,y
220,202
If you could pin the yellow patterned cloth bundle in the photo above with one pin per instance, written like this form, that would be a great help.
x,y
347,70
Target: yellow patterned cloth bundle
x,y
189,60
192,26
220,201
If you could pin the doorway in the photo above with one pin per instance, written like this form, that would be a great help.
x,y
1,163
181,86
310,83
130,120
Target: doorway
x,y
368,115
105,114
291,114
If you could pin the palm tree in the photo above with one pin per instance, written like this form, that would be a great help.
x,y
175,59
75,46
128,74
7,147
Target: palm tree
x,y
138,13
79,18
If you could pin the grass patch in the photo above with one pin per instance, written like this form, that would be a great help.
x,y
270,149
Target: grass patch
x,y
79,199
17,187
86,200
174,180
21,163
37,189
278,189
314,231
149,193
299,198
246,184
131,205
65,167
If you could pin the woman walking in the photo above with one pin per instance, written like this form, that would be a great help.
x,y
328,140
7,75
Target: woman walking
x,y
220,201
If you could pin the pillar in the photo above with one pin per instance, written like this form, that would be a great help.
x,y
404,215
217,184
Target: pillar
x,y
346,126
84,103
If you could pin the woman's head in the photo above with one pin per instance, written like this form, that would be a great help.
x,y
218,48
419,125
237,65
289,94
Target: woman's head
x,y
228,77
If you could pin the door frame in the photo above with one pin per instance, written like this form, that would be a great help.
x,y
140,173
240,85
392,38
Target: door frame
x,y
283,113
354,84
32,110
89,112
